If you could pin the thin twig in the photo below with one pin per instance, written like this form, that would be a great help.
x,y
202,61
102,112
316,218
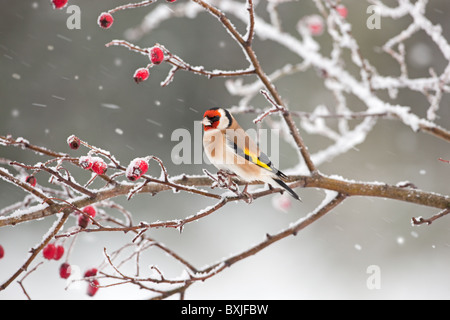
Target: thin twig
x,y
132,6
20,282
428,221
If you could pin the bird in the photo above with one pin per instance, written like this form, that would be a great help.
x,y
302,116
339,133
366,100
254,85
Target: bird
x,y
230,149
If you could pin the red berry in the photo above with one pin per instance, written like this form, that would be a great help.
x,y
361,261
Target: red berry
x,y
90,210
156,55
31,180
171,0
314,23
2,251
92,287
136,169
342,10
74,142
90,272
65,270
141,74
49,251
105,20
282,202
99,166
59,4
83,221
59,252
85,162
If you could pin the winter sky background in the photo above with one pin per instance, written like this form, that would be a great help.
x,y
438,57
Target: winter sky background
x,y
55,82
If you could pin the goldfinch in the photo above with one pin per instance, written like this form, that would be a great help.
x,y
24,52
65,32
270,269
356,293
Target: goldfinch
x,y
230,149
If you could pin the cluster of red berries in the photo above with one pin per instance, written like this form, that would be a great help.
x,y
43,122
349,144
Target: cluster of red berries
x,y
59,4
315,24
136,169
92,283
65,270
83,219
156,57
97,164
53,252
105,19
156,54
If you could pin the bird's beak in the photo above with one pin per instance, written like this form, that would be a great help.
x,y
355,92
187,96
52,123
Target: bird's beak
x,y
206,121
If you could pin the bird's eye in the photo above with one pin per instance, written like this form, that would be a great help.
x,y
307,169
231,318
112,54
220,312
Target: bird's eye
x,y
214,119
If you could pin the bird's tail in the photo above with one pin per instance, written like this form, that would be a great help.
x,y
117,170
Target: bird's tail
x,y
287,188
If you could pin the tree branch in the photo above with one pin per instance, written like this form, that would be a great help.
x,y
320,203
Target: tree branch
x,y
187,183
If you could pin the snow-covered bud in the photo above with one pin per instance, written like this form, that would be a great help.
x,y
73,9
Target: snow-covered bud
x,y
136,169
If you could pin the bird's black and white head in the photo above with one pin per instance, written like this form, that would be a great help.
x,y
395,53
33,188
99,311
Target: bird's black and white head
x,y
217,118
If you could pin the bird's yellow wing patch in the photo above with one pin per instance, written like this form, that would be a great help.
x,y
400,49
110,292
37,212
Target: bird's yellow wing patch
x,y
252,157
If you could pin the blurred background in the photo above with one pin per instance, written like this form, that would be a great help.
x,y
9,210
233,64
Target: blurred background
x,y
55,82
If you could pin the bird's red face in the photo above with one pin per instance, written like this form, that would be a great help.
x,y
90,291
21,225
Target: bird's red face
x,y
211,119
